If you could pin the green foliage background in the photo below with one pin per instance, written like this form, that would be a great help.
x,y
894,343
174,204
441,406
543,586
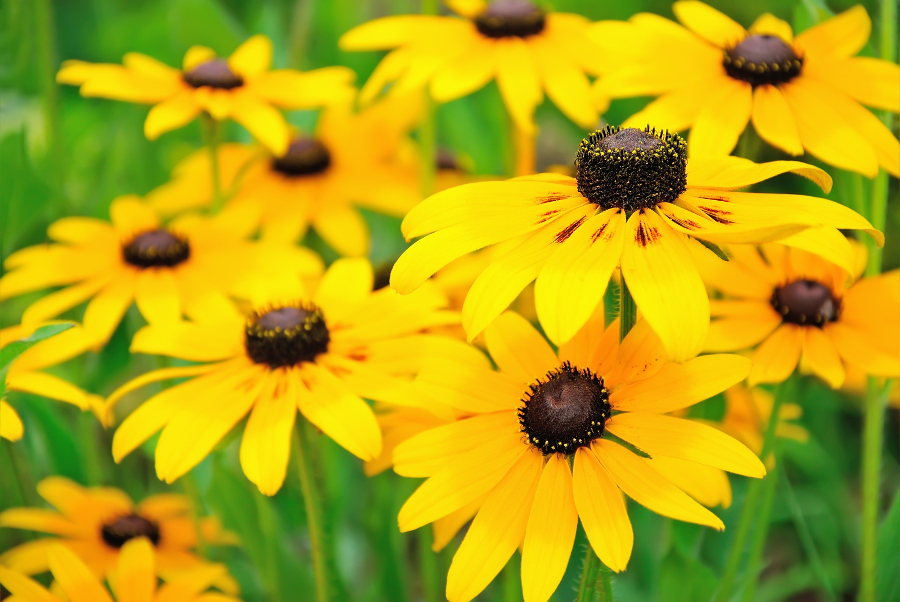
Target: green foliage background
x,y
62,155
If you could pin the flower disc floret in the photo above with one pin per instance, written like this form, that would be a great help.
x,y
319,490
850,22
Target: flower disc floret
x,y
762,59
125,528
631,169
156,248
806,302
511,18
566,411
305,157
214,73
286,336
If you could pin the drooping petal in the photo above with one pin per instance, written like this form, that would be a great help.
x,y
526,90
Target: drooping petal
x,y
262,120
774,121
25,588
873,82
776,358
466,73
676,110
566,84
266,444
135,577
156,296
11,427
170,114
75,579
343,228
722,119
517,78
346,284
820,356
737,172
734,333
709,486
518,349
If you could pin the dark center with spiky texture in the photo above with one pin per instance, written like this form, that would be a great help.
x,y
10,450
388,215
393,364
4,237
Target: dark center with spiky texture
x,y
286,336
214,73
630,168
762,59
127,527
806,302
505,18
305,157
156,248
566,411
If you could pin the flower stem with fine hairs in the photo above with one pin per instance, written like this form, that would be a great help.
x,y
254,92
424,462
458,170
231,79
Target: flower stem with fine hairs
x,y
313,505
211,139
751,502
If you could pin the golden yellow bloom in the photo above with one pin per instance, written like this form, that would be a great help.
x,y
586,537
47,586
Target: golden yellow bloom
x,y
354,160
134,578
802,93
528,51
747,413
597,403
319,354
190,265
25,373
95,523
241,87
635,202
794,307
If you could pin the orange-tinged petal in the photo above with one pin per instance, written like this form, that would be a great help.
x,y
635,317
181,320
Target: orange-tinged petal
x,y
75,579
712,25
820,356
135,577
774,121
519,349
24,588
778,355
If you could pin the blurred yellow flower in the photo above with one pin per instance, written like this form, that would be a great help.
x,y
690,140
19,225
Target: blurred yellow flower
x,y
319,354
636,202
801,93
747,413
96,523
181,268
528,51
360,159
134,578
241,87
597,404
24,374
795,307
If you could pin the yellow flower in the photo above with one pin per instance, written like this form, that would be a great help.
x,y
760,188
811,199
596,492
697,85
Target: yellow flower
x,y
134,578
320,355
24,374
597,403
241,87
747,413
801,93
189,266
793,307
354,159
526,49
95,523
636,202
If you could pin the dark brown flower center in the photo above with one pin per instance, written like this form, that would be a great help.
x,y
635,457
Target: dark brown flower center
x,y
631,169
446,160
305,157
286,336
156,248
214,73
566,411
125,528
762,59
806,302
505,18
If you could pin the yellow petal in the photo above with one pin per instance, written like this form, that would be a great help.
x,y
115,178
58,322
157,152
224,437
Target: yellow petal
x,y
291,89
11,427
517,78
469,71
56,303
388,32
74,577
649,488
104,312
722,119
497,530
873,82
343,228
156,296
446,528
820,356
708,485
842,35
707,22
550,533
135,578
47,385
776,358
660,273
197,55
262,120
25,588
857,348
774,121
741,332
737,172
171,114
768,23
266,444
676,110
687,440
130,215
602,511
518,349
347,283
566,84
252,58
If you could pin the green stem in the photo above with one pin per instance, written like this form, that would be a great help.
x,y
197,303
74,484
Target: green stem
x,y
314,518
431,584
189,484
754,491
211,139
761,533
627,310
873,436
47,61
510,580
589,574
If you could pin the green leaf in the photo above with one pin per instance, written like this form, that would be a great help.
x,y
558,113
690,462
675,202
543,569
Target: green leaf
x,y
714,248
888,577
9,353
683,579
632,448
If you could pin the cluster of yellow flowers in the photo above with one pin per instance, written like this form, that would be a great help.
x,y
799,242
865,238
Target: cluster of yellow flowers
x,y
545,428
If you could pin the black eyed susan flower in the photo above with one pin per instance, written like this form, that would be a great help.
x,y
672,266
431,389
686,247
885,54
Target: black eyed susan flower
x,y
134,578
598,405
319,354
794,307
96,523
635,202
353,160
802,93
187,266
25,373
241,87
527,50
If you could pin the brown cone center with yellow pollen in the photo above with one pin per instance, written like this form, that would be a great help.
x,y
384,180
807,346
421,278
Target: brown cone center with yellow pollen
x,y
631,169
566,411
156,248
118,532
214,73
762,59
508,18
305,157
806,302
286,336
